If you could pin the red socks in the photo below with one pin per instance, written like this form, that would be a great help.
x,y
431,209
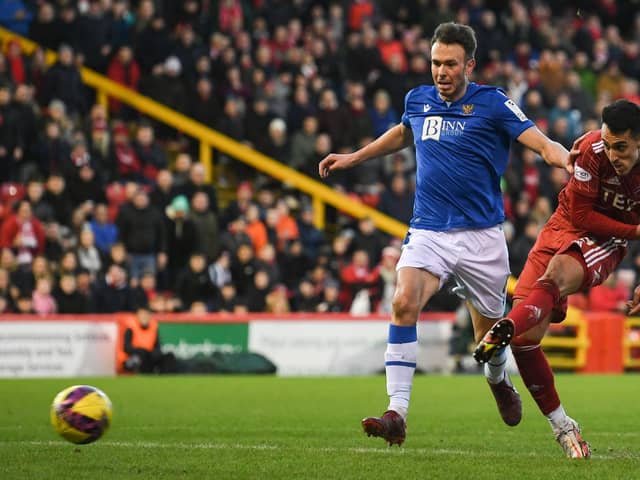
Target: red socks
x,y
537,376
533,309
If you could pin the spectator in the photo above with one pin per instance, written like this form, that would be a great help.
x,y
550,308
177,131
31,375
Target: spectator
x,y
255,228
303,144
143,233
257,294
58,198
113,293
127,165
311,237
67,297
193,283
277,144
44,30
369,239
383,115
356,277
204,106
238,206
305,298
207,232
228,300
277,300
52,151
23,233
197,183
88,254
267,260
163,191
181,235
105,232
85,188
329,303
397,200
333,119
243,268
42,301
124,70
300,109
10,151
147,149
39,206
388,275
63,82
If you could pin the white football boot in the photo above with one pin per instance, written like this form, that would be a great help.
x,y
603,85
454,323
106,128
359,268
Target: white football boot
x,y
571,441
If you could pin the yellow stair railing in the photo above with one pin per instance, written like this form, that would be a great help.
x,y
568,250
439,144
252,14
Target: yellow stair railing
x,y
567,351
631,341
320,194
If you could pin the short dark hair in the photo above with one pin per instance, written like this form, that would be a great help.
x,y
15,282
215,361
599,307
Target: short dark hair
x,y
463,35
622,115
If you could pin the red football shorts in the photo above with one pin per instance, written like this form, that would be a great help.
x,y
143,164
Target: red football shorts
x,y
598,260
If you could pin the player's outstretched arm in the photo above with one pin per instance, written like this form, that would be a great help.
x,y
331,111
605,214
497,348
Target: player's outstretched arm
x,y
551,152
394,139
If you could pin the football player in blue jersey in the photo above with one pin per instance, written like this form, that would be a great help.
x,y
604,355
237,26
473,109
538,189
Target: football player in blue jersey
x,y
462,133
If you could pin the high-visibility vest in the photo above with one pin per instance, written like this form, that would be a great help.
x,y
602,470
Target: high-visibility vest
x,y
142,337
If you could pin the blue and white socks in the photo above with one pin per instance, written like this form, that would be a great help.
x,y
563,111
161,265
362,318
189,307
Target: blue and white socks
x,y
400,365
494,368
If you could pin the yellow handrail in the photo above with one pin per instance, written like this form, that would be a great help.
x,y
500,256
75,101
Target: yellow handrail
x,y
320,193
631,342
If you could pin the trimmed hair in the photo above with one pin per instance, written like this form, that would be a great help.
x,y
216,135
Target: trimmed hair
x,y
622,115
450,33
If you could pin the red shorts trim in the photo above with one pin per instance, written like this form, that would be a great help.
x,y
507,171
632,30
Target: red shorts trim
x,y
598,260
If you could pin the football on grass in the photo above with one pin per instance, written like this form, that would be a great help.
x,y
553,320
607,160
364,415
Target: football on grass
x,y
81,413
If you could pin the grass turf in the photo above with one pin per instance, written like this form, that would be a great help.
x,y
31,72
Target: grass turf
x,y
227,427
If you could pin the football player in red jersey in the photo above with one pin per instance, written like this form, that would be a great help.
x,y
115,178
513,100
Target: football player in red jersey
x,y
582,243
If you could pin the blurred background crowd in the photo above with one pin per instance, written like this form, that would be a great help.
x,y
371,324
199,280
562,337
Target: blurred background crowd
x,y
102,210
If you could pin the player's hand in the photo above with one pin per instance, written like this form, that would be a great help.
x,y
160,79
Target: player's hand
x,y
574,153
633,305
336,161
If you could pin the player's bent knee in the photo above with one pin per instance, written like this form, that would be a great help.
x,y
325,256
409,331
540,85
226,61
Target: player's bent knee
x,y
405,309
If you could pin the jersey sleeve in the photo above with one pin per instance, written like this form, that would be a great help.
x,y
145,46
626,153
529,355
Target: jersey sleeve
x,y
585,217
509,116
586,172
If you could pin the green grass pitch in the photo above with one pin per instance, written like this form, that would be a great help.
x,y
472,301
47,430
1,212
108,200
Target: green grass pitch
x,y
228,427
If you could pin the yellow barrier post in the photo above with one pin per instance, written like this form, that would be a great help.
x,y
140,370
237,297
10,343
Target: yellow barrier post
x,y
206,161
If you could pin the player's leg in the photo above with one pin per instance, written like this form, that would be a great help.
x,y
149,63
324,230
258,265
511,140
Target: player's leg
x,y
537,375
483,270
564,275
582,263
414,288
506,396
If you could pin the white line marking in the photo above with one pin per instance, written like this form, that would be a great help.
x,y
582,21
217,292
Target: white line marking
x,y
362,450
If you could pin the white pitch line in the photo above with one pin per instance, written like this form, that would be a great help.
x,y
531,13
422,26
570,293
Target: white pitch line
x,y
403,451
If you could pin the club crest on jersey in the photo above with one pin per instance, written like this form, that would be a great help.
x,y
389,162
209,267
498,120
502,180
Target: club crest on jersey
x,y
468,109
581,174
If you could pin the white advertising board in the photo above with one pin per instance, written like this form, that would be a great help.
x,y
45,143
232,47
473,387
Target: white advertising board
x,y
344,347
57,348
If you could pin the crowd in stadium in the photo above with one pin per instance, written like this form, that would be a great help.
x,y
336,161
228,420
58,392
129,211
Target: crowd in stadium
x,y
103,209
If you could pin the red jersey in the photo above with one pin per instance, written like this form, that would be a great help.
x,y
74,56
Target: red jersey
x,y
596,200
